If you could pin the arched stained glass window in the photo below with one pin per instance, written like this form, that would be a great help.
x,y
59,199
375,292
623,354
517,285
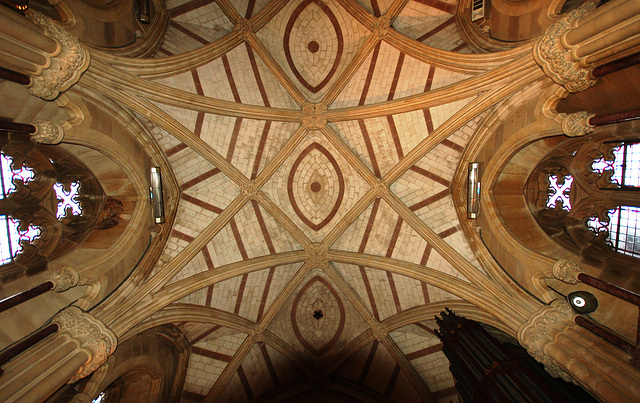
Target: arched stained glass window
x,y
623,229
69,201
559,193
9,174
625,165
11,236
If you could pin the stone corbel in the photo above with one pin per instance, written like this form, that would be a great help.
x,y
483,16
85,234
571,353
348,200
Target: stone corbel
x,y
47,132
540,330
65,67
64,279
567,271
577,124
556,60
92,335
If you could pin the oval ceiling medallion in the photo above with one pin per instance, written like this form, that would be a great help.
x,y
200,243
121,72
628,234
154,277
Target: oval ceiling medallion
x,y
313,44
317,316
315,186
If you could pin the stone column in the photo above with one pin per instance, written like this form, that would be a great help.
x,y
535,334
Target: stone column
x,y
587,38
81,345
38,47
574,354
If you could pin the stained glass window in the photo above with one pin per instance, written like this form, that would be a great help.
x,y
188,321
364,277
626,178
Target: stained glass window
x,y
623,228
11,236
68,200
559,192
9,175
625,165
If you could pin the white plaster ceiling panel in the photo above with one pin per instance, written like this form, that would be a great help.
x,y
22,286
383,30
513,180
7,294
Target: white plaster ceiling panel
x,y
419,18
308,176
250,295
372,365
351,133
352,238
208,16
274,93
313,33
182,81
424,352
208,359
340,321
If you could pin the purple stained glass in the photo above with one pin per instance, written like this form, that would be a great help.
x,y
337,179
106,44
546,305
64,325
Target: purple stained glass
x,y
11,236
9,174
559,192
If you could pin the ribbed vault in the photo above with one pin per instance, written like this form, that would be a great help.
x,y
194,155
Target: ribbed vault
x,y
315,143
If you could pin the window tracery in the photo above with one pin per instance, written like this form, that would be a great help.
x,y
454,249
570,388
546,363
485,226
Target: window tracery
x,y
50,203
585,195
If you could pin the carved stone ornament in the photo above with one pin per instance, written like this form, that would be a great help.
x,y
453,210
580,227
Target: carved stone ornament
x,y
243,26
316,255
313,115
567,271
66,67
381,188
382,26
541,329
47,132
379,334
250,189
92,334
64,279
556,60
577,124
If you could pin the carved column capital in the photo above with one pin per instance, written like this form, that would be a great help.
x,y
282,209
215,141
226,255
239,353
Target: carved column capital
x,y
567,271
556,59
64,278
47,132
92,334
577,124
541,329
66,66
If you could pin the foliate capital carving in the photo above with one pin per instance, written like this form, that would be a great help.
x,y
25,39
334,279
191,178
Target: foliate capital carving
x,y
313,115
244,27
47,132
66,66
382,26
577,124
567,271
556,60
541,329
64,278
316,255
92,334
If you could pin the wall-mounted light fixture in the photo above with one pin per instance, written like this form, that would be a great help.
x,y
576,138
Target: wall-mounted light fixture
x,y
155,195
144,14
473,192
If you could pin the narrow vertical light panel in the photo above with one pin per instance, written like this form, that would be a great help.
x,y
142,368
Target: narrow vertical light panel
x,y
473,191
155,194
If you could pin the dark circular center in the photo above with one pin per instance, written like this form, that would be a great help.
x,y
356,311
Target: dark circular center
x,y
313,46
315,187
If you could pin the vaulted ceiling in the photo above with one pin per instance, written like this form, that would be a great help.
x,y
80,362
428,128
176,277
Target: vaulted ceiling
x,y
315,185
